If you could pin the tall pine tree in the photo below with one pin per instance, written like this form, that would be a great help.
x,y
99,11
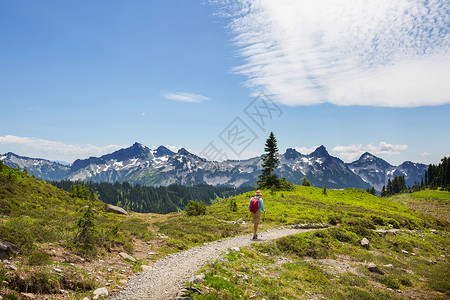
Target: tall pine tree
x,y
268,178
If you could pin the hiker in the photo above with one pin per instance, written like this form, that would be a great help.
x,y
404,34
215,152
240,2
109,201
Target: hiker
x,y
255,206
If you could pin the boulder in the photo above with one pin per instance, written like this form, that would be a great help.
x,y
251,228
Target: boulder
x,y
198,279
381,232
127,256
116,209
7,249
374,269
100,292
235,249
365,242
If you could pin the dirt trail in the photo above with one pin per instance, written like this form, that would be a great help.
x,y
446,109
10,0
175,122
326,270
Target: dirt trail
x,y
167,276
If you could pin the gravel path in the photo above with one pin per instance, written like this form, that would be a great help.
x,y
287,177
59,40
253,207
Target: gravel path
x,y
167,276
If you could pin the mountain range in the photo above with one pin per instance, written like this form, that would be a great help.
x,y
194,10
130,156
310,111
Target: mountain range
x,y
139,164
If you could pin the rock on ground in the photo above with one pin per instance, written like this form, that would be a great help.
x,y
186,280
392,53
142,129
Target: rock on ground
x,y
127,256
100,292
7,249
365,242
116,209
374,269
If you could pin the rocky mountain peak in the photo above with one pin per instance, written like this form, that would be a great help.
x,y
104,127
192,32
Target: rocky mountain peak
x,y
163,151
320,152
291,154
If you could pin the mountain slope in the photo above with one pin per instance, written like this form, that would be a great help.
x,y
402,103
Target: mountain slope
x,y
155,167
377,171
41,168
320,168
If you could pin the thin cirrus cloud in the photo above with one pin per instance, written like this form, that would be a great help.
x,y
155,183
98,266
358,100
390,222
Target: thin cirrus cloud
x,y
185,97
373,53
56,150
352,152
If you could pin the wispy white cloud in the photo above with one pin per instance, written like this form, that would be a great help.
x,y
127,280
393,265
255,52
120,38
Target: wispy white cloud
x,y
54,150
352,152
424,154
376,53
185,97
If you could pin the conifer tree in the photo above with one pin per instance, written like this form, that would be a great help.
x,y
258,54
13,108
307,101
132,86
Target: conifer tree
x,y
268,178
383,191
305,182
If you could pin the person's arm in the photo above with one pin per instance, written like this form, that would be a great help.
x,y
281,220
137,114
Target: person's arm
x,y
261,204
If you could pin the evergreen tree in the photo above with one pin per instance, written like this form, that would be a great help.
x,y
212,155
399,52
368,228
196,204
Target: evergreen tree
x,y
389,189
324,189
372,191
87,230
383,191
268,178
305,182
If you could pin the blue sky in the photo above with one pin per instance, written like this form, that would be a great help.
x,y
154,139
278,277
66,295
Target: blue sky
x,y
84,78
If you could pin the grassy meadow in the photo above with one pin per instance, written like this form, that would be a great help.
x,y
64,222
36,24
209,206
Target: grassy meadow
x,y
409,247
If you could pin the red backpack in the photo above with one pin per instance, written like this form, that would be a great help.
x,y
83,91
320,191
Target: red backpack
x,y
254,205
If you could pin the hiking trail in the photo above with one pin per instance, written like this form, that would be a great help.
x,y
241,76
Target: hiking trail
x,y
163,279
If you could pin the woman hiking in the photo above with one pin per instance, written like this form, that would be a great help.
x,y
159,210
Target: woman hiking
x,y
255,206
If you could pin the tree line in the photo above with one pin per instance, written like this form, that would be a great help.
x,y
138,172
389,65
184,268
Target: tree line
x,y
436,176
147,199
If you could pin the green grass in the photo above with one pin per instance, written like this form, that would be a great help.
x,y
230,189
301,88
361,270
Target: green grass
x,y
310,205
423,271
185,232
429,202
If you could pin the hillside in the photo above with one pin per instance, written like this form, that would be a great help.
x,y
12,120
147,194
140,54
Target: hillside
x,y
42,220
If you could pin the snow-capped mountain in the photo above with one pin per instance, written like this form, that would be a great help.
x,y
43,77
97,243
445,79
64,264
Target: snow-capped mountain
x,y
377,171
320,168
42,168
161,166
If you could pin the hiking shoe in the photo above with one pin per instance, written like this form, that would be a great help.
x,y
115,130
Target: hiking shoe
x,y
255,237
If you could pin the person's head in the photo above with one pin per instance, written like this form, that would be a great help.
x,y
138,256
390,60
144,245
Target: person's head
x,y
258,193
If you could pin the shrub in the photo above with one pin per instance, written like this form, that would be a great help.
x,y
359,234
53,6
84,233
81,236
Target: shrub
x,y
284,184
39,258
195,208
12,296
343,235
233,205
334,220
306,182
312,246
